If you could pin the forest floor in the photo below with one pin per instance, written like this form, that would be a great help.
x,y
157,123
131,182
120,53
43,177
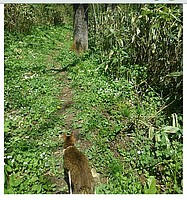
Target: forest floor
x,y
68,111
49,91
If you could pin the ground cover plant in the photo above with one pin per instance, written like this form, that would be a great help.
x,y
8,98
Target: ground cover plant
x,y
131,133
31,102
133,146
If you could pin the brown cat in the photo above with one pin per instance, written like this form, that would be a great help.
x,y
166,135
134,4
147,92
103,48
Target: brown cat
x,y
77,172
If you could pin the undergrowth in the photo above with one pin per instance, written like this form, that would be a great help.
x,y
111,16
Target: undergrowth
x,y
31,126
135,146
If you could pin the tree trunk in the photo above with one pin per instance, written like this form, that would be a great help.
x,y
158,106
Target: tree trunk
x,y
80,35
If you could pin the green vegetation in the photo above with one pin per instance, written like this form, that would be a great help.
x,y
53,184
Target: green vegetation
x,y
132,124
131,139
21,18
31,102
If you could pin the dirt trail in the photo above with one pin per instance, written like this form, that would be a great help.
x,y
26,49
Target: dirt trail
x,y
68,112
66,97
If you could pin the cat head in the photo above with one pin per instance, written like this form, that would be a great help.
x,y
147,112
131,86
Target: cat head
x,y
69,140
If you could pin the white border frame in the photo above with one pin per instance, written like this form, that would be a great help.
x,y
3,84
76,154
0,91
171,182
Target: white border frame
x,y
82,197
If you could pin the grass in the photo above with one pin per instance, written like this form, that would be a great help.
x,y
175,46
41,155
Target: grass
x,y
130,141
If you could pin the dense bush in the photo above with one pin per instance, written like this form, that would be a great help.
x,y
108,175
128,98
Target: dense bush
x,y
148,36
140,46
21,18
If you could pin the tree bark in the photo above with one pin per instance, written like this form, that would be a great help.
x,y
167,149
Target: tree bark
x,y
80,23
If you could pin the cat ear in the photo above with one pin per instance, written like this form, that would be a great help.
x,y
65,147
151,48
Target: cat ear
x,y
73,137
64,136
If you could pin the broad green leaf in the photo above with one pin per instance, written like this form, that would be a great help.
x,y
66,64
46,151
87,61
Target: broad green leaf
x,y
8,168
11,180
14,181
151,186
34,179
19,157
37,188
